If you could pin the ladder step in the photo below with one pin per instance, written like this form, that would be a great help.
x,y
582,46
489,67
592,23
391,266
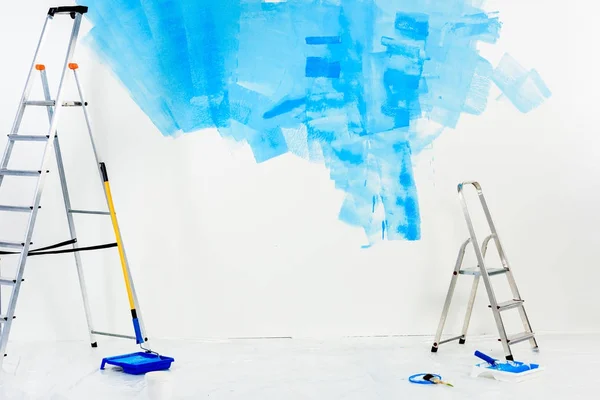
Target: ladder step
x,y
507,305
89,212
451,339
16,208
16,172
12,245
8,281
42,103
29,138
476,271
519,337
51,103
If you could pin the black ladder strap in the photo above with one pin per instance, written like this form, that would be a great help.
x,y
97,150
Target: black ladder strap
x,y
42,250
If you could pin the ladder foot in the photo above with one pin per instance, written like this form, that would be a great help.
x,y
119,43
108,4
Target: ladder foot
x,y
95,344
462,341
434,349
510,358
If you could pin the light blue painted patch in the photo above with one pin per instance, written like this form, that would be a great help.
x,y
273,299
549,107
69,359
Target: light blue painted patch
x,y
267,144
354,84
525,89
413,26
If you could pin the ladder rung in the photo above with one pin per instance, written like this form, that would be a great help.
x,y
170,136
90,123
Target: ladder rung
x,y
113,335
16,172
12,245
519,337
4,318
476,271
8,281
43,103
89,212
29,138
74,104
450,339
16,208
51,103
507,305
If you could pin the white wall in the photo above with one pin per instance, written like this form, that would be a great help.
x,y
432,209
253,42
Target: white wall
x,y
279,263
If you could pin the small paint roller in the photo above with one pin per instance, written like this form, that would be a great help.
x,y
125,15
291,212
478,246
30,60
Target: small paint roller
x,y
485,358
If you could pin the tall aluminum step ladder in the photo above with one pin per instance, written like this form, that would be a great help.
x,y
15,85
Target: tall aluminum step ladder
x,y
482,272
54,108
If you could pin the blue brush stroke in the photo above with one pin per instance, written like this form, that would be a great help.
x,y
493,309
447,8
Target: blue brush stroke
x,y
317,66
284,107
359,85
323,40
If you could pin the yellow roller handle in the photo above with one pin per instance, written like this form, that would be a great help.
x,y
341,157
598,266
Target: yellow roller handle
x,y
113,217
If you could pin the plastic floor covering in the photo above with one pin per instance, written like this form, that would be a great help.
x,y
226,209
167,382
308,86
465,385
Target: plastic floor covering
x,y
294,369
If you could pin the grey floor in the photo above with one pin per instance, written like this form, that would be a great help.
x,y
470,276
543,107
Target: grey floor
x,y
290,369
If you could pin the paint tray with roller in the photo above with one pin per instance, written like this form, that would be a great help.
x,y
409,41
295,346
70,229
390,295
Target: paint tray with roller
x,y
139,363
508,371
143,361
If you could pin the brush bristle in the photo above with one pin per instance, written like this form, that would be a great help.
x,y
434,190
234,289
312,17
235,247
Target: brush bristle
x,y
428,377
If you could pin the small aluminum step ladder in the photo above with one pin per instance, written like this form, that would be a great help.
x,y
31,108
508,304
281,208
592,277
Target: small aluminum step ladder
x,y
21,247
482,272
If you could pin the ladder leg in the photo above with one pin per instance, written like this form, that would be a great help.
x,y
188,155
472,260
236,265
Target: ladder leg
x,y
102,173
438,336
70,220
473,294
522,312
78,263
470,304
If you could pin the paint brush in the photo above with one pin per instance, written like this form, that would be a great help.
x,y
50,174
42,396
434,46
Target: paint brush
x,y
433,379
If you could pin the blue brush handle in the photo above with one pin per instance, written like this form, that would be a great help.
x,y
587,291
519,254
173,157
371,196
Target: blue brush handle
x,y
485,357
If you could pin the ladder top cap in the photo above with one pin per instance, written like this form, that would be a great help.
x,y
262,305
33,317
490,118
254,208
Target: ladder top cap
x,y
67,10
40,67
73,66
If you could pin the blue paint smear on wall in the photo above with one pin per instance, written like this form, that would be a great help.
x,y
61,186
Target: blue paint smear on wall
x,y
345,82
525,89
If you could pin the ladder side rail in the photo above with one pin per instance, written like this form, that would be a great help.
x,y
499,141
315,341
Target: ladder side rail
x,y
490,221
499,247
29,81
38,192
482,268
70,219
24,97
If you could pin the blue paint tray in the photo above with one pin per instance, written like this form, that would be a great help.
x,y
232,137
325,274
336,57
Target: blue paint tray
x,y
139,363
508,371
